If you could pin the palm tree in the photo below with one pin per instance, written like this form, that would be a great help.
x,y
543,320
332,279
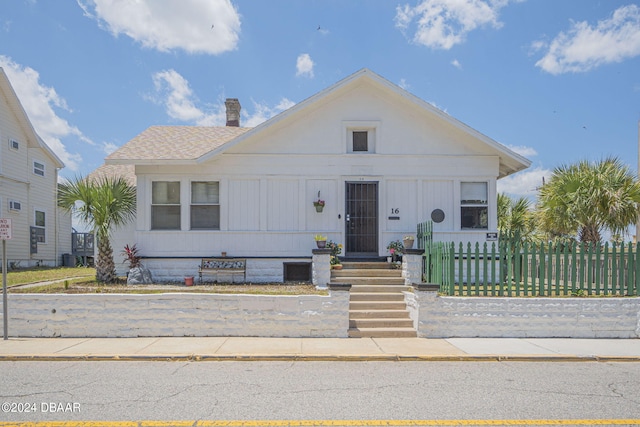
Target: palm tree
x,y
104,203
586,198
515,218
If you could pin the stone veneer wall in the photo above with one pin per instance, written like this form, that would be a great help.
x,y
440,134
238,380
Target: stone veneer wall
x,y
436,316
175,314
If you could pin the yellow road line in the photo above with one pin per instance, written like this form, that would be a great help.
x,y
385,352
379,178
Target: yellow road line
x,y
322,423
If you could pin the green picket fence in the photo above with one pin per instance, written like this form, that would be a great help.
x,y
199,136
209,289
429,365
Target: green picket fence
x,y
528,269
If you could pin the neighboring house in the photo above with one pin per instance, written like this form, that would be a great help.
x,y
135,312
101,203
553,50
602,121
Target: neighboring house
x,y
28,188
381,159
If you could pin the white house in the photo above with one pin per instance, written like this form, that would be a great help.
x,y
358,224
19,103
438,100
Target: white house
x,y
382,160
28,188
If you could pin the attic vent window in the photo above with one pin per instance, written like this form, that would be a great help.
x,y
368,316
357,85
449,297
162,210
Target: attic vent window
x,y
361,136
14,145
360,140
38,168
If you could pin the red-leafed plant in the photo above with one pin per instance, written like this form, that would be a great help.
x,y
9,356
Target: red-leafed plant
x,y
131,255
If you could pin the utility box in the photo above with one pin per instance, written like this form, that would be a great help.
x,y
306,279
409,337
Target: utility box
x,y
68,260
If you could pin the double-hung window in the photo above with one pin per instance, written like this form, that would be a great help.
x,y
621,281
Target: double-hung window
x,y
205,205
474,212
40,226
165,205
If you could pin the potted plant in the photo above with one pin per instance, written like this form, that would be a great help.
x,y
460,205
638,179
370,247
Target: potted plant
x,y
321,241
336,249
395,248
319,204
408,241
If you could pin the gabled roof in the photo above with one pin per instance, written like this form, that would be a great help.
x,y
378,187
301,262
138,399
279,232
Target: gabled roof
x,y
33,139
158,143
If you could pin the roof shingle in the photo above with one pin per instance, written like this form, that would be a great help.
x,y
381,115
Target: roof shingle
x,y
176,142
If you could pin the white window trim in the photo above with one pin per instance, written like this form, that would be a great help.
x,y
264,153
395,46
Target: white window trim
x,y
219,204
472,205
35,210
372,127
150,203
12,201
44,168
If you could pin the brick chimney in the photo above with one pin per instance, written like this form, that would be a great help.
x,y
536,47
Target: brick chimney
x,y
233,111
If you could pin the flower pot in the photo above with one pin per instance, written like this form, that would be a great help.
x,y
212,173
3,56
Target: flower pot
x,y
319,208
337,266
188,281
321,244
408,243
389,259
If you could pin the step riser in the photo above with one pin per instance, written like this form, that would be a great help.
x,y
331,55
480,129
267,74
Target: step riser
x,y
381,323
367,266
377,297
380,305
378,314
379,288
368,281
366,273
355,333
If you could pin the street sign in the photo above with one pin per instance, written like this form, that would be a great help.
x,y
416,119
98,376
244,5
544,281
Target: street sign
x,y
5,229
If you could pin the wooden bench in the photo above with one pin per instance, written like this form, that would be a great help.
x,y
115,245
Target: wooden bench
x,y
223,265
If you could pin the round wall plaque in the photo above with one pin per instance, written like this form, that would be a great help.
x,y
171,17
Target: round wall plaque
x,y
437,215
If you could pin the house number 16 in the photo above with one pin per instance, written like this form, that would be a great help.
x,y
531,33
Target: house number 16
x,y
395,211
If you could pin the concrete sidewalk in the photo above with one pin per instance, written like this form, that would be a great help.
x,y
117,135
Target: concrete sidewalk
x,y
321,349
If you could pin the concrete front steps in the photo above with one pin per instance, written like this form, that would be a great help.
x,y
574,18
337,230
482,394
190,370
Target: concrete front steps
x,y
376,302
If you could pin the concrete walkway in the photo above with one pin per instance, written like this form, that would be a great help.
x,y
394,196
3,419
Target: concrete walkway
x,y
319,349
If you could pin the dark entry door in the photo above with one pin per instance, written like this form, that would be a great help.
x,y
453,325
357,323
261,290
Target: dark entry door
x,y
361,219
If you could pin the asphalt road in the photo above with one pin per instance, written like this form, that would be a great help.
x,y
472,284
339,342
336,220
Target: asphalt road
x,y
115,391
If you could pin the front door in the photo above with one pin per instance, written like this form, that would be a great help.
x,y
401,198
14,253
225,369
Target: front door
x,y
361,219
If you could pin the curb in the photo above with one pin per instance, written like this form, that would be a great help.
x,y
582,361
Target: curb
x,y
317,358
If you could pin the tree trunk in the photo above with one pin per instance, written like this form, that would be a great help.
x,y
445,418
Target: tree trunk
x,y
105,267
590,234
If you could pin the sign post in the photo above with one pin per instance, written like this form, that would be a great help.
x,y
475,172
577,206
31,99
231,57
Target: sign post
x,y
5,234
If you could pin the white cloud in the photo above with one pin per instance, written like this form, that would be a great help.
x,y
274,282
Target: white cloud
x,y
109,147
525,183
39,102
173,91
584,47
523,150
262,112
456,64
195,26
176,95
442,24
403,84
304,65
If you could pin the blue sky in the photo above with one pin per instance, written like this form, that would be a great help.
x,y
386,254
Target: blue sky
x,y
557,81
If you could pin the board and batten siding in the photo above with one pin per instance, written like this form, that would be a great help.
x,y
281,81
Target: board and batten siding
x,y
244,202
401,203
283,204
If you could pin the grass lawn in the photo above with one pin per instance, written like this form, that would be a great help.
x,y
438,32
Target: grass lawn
x,y
81,280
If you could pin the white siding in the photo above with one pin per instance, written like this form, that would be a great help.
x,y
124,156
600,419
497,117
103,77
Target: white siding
x,y
282,205
439,195
327,220
401,202
244,204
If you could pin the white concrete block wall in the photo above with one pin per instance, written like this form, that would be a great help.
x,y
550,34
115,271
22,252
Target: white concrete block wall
x,y
527,317
258,270
118,315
